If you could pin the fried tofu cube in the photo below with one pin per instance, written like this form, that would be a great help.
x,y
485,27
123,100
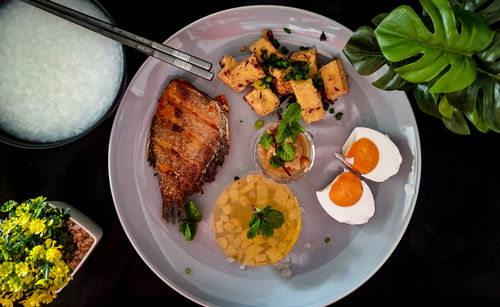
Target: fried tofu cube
x,y
264,46
239,76
309,99
334,79
262,101
310,56
282,86
313,115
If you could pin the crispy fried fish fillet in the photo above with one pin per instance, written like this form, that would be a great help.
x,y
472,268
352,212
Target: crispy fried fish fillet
x,y
189,138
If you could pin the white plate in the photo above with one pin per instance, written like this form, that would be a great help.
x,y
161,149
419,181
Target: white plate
x,y
323,273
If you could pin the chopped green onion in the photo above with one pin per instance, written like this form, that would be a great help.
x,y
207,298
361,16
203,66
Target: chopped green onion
x,y
259,124
187,271
327,240
338,116
287,30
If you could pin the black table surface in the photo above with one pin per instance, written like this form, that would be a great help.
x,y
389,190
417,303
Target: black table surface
x,y
448,254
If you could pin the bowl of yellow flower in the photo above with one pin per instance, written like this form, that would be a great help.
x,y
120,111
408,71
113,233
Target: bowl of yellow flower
x,y
42,245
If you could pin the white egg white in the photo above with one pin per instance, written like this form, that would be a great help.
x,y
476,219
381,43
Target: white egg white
x,y
359,213
389,156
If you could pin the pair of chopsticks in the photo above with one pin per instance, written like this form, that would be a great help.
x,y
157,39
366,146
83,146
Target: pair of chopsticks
x,y
162,52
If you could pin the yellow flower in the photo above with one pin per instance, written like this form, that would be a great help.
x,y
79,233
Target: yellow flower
x,y
24,220
37,226
53,254
22,269
6,268
37,252
22,209
6,302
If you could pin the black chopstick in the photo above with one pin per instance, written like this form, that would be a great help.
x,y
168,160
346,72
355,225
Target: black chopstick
x,y
162,52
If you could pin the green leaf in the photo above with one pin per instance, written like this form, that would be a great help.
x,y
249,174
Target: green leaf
x,y
276,162
491,13
8,206
426,101
265,140
254,230
274,218
391,81
363,51
378,19
285,151
293,112
283,131
188,229
192,213
480,102
402,35
296,128
267,230
445,108
457,123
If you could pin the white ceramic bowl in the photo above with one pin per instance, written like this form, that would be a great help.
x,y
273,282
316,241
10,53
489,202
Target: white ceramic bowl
x,y
87,224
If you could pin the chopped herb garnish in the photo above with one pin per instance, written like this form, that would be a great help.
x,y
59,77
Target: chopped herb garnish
x,y
299,71
322,37
279,111
259,124
275,43
264,220
318,82
236,178
187,271
188,225
338,116
287,30
284,50
325,106
332,110
303,48
327,240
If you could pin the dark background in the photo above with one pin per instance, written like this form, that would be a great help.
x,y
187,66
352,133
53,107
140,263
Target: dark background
x,y
448,254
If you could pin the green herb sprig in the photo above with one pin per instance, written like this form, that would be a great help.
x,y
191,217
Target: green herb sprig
x,y
288,128
265,220
188,225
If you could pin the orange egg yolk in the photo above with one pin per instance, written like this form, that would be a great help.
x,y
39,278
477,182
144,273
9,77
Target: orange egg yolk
x,y
346,190
365,154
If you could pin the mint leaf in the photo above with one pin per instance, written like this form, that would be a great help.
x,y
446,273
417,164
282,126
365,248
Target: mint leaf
x,y
283,132
274,218
266,220
267,230
254,230
296,128
285,151
293,113
276,162
192,213
265,140
187,226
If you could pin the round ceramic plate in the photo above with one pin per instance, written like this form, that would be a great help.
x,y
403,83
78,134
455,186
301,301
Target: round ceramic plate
x,y
322,272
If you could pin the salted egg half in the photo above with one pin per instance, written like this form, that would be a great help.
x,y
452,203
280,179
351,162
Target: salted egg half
x,y
348,199
371,154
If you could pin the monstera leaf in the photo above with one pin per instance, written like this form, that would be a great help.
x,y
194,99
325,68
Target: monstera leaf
x,y
449,56
403,34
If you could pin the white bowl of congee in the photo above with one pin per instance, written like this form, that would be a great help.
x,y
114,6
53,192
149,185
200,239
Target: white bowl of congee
x,y
58,81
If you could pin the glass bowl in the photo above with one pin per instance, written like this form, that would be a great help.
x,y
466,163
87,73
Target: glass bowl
x,y
282,175
15,141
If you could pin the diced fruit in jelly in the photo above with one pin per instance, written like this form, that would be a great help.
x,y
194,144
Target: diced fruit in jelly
x,y
233,212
